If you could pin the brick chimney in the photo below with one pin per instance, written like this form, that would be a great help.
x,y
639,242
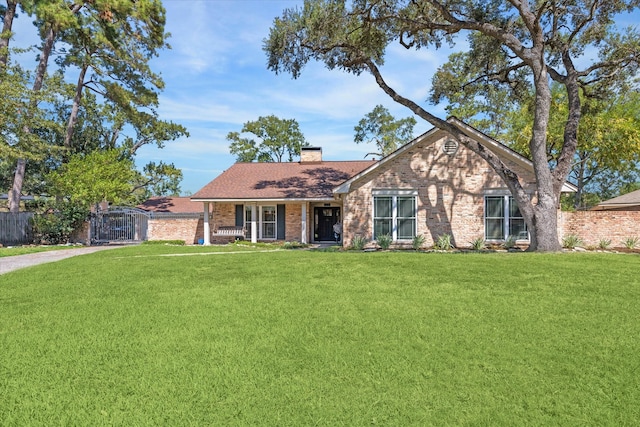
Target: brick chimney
x,y
310,155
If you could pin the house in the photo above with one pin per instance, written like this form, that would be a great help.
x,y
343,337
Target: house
x,y
626,202
431,186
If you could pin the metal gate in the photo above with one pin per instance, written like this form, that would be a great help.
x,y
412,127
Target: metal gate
x,y
119,224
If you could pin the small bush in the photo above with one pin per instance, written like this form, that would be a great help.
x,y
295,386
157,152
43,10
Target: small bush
x,y
443,243
571,241
630,242
294,245
165,242
59,221
417,242
604,244
478,244
384,241
359,242
510,243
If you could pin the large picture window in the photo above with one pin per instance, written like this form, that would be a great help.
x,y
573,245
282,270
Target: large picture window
x,y
502,219
395,215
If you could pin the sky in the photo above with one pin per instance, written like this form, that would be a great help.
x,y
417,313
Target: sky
x,y
216,79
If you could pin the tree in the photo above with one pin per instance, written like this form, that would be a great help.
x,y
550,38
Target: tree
x,y
513,44
381,127
608,151
277,138
95,177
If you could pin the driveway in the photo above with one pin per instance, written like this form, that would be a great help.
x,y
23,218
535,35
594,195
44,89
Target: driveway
x,y
16,262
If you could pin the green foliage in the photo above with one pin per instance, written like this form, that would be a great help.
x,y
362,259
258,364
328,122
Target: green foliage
x,y
58,222
164,242
278,140
384,241
381,128
478,244
359,242
96,177
571,241
443,242
604,243
510,243
417,241
631,242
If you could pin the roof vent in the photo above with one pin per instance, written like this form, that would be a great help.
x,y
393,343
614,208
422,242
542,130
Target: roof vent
x,y
450,147
310,154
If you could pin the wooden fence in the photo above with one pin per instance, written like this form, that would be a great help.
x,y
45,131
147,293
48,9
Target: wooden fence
x,y
16,229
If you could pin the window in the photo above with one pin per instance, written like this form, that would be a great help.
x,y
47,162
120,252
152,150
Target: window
x,y
503,219
266,221
394,215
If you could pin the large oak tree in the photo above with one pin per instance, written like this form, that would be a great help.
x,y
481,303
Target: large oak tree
x,y
511,42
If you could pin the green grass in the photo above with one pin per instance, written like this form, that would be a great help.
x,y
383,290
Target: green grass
x,y
133,337
23,250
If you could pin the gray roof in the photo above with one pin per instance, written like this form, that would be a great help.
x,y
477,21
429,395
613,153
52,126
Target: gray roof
x,y
625,201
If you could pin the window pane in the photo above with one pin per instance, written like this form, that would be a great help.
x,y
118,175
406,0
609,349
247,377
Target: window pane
x,y
514,212
268,230
381,227
406,228
494,207
406,207
383,207
268,213
494,229
518,229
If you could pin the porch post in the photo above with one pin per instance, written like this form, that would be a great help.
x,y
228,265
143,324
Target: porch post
x,y
254,223
303,238
207,229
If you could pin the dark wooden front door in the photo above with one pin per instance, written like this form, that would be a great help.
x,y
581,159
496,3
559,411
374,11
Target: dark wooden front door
x,y
324,219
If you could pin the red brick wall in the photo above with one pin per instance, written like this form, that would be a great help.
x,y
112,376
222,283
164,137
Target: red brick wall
x,y
451,192
594,226
188,229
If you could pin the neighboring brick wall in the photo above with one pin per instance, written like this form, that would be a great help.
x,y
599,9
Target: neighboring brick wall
x,y
188,229
594,226
451,192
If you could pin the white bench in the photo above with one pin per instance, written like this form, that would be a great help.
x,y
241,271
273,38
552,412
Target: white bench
x,y
229,231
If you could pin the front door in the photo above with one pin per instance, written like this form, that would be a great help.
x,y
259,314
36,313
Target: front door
x,y
325,218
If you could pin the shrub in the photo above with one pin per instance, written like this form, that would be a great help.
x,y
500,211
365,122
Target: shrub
x,y
630,242
604,243
58,222
358,243
384,241
510,243
417,242
294,245
165,242
443,242
478,244
571,241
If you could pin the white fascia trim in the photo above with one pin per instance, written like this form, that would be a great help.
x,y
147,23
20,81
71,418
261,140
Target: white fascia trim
x,y
319,199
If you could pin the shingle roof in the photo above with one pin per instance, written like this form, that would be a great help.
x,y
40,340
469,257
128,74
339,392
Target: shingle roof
x,y
170,205
292,180
626,200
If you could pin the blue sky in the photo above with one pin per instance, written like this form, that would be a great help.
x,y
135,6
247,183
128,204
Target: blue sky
x,y
216,80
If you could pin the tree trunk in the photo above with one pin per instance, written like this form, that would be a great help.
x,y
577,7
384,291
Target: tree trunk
x,y
75,108
5,36
18,178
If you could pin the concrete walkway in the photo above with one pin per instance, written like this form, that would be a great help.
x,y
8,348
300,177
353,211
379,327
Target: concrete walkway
x,y
16,262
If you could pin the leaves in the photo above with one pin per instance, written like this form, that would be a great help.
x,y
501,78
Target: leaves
x,y
381,128
278,140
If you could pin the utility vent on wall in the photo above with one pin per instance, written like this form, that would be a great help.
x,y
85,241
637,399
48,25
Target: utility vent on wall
x,y
450,146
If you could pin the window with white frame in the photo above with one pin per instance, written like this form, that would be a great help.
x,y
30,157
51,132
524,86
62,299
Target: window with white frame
x,y
266,221
502,219
394,213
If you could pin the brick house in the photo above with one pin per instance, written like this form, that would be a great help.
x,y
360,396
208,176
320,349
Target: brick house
x,y
431,186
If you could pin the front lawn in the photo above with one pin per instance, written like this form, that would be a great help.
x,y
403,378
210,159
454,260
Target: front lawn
x,y
136,336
